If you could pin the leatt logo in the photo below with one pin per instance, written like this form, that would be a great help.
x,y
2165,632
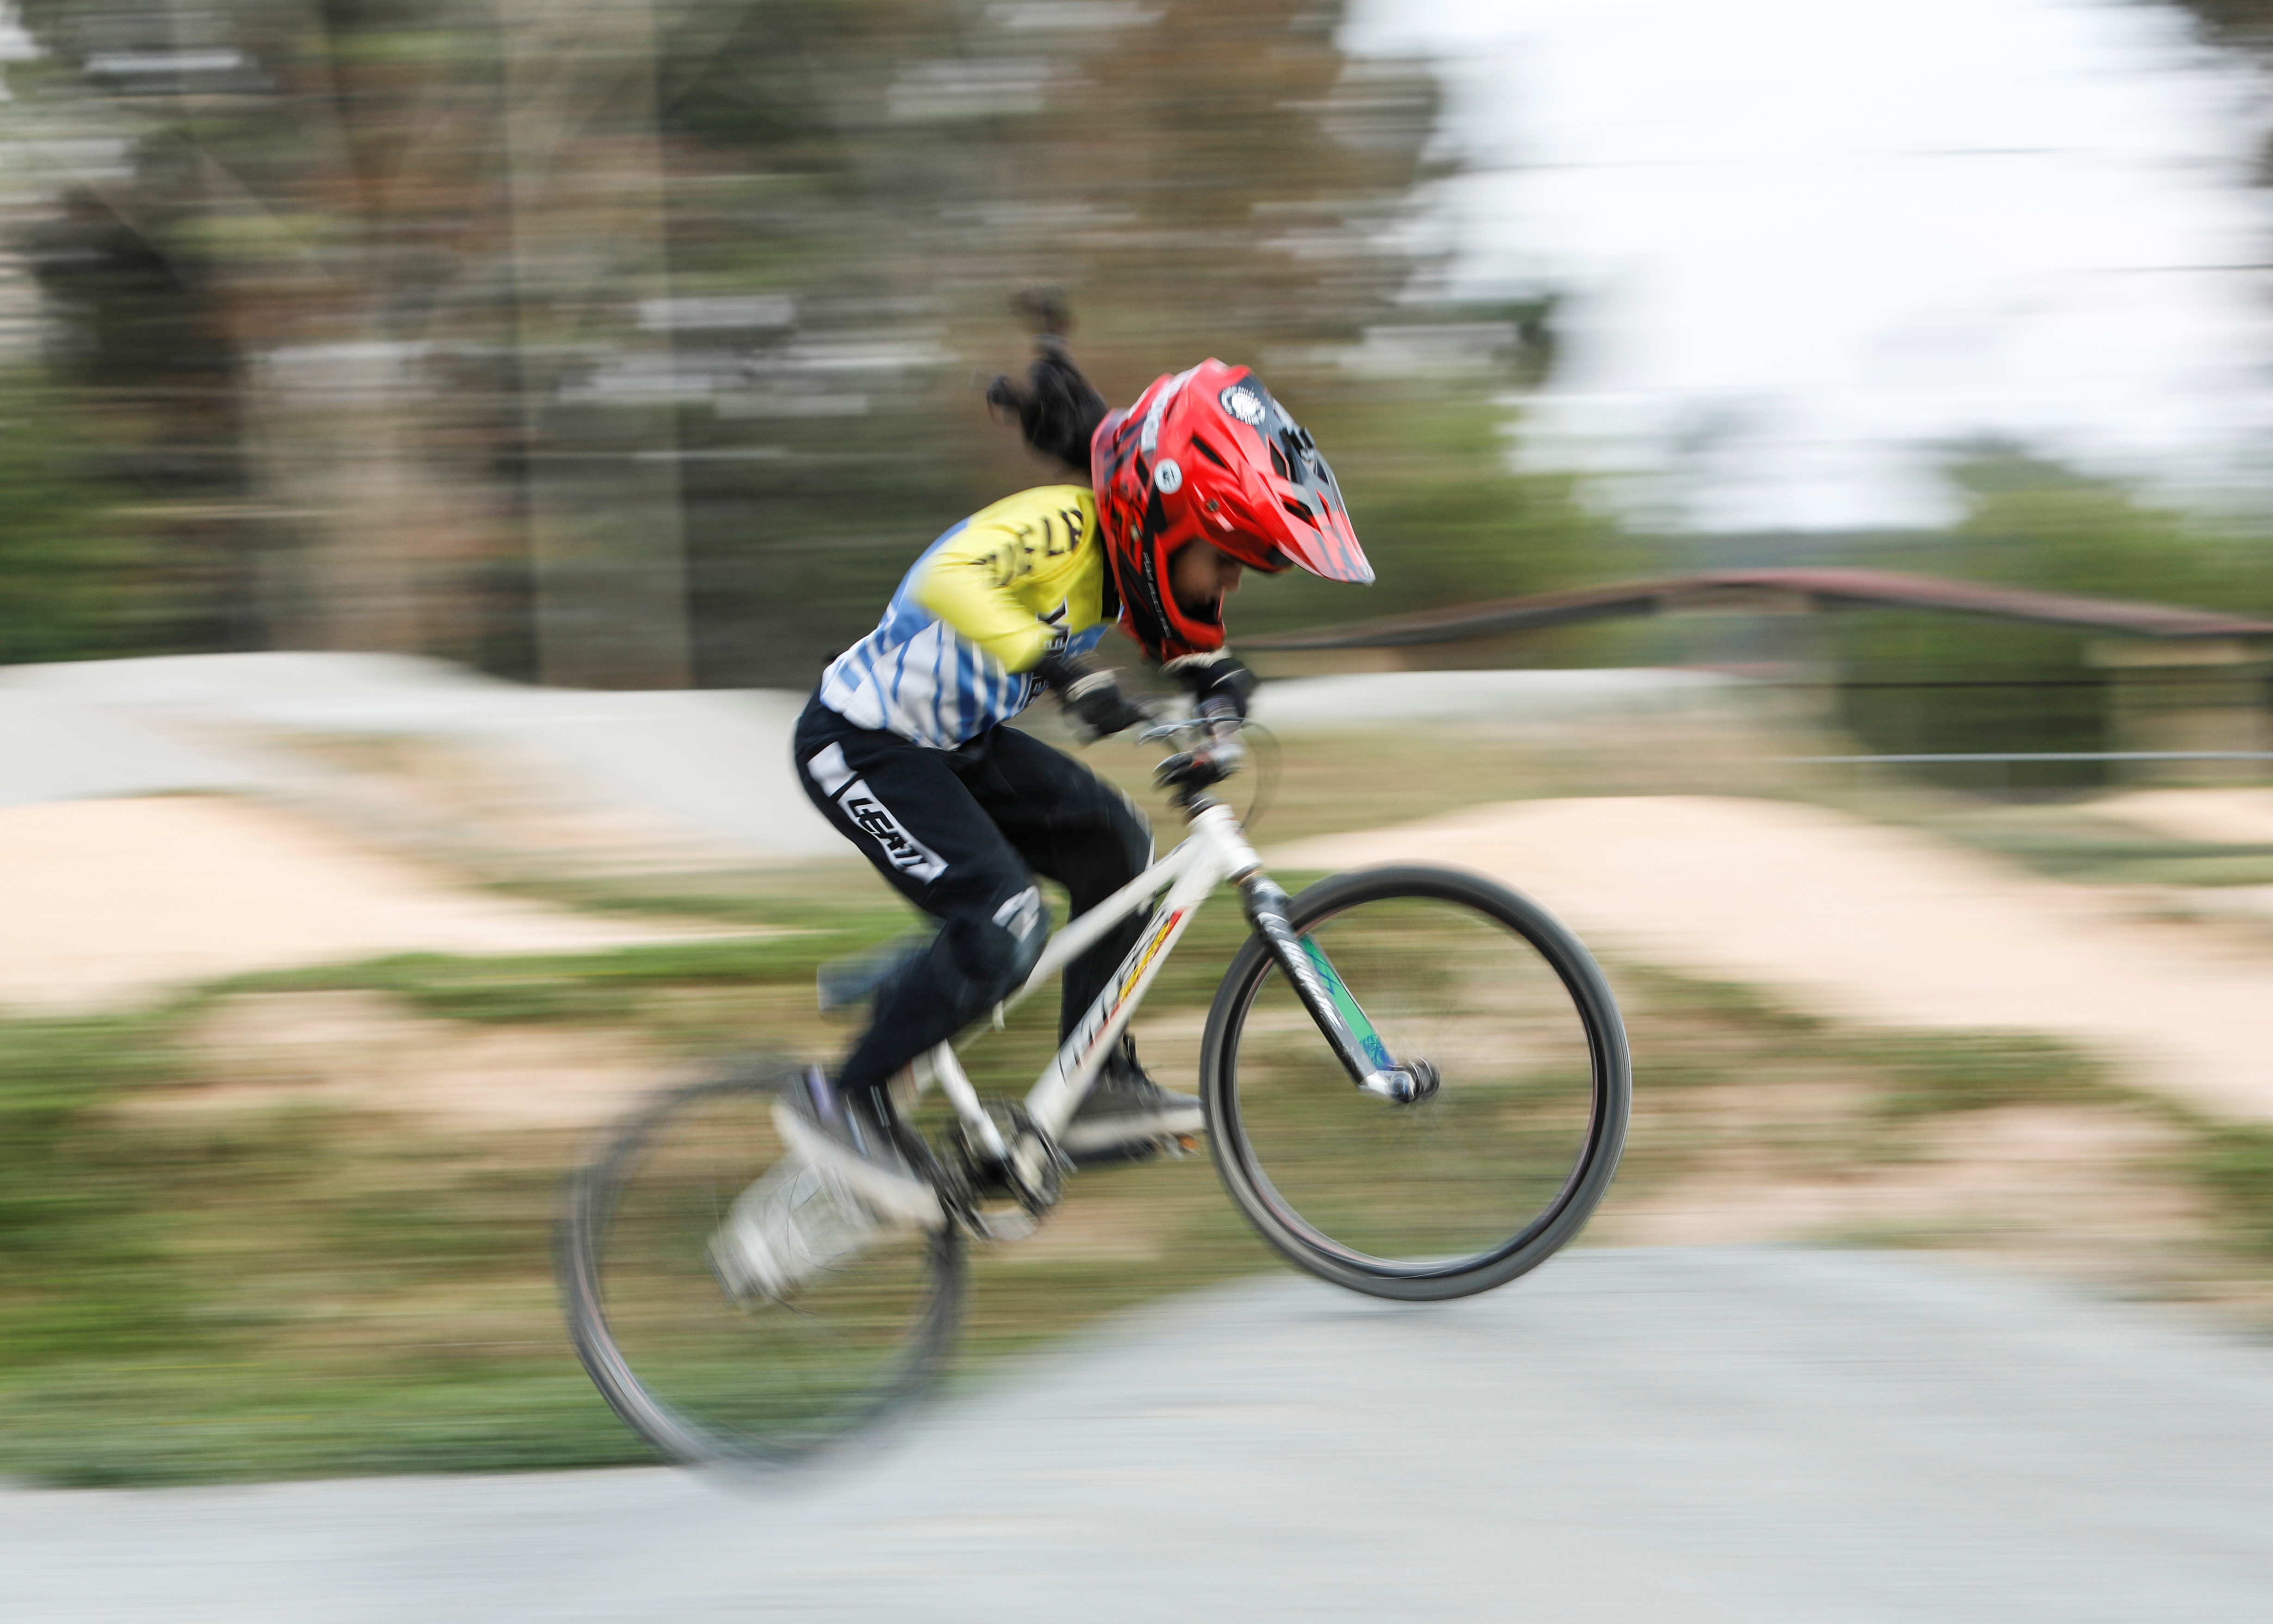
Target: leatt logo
x,y
902,850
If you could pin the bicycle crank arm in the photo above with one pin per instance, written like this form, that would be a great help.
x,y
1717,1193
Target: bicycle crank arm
x,y
1340,1016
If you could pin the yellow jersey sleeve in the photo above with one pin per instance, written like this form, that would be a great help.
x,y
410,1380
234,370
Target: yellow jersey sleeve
x,y
1020,575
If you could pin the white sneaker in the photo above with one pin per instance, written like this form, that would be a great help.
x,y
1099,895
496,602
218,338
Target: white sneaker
x,y
844,1134
789,1224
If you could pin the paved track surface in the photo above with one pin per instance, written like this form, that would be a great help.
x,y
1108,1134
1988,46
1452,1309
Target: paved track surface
x,y
712,764
1747,1435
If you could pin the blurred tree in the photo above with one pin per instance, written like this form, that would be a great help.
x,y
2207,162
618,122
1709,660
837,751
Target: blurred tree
x,y
243,298
72,587
2246,24
530,334
1942,683
1199,178
2035,522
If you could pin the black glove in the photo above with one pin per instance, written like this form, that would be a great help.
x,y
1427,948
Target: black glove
x,y
1091,696
1219,684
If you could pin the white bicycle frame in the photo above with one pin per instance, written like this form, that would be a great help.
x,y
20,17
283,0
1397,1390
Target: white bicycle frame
x,y
1216,850
760,1237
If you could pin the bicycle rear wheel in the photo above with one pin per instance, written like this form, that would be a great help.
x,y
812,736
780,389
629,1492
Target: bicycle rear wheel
x,y
767,1380
1467,1188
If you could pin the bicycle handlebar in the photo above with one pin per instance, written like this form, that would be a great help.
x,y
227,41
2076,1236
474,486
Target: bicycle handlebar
x,y
1225,724
1208,761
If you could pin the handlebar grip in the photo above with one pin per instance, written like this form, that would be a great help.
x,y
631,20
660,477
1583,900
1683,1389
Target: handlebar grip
x,y
1223,716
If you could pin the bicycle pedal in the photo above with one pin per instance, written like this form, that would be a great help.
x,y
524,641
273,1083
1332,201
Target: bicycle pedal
x,y
1181,1144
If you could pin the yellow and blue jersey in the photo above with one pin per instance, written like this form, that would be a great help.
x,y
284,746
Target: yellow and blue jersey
x,y
954,651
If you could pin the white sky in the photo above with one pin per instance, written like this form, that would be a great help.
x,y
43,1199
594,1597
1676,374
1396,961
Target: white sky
x,y
1810,239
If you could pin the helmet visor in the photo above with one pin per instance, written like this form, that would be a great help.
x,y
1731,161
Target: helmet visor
x,y
1321,539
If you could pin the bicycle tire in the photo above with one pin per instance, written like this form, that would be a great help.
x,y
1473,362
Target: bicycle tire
x,y
1459,1193
705,1379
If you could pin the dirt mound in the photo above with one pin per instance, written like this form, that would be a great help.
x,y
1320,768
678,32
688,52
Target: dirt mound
x,y
107,900
1870,922
365,1052
2220,817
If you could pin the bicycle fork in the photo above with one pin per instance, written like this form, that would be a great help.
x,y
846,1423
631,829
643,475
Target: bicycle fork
x,y
1340,1018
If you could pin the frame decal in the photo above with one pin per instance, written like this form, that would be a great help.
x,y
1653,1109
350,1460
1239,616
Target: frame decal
x,y
1345,1005
1152,950
1189,875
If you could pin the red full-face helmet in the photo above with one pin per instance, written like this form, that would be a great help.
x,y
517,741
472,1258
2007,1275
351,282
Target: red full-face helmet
x,y
1207,455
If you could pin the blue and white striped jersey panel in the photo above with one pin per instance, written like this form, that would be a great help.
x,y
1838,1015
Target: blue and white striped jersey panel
x,y
915,675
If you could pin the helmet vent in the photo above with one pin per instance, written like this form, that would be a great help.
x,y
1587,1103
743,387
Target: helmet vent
x,y
1278,462
1210,453
1299,510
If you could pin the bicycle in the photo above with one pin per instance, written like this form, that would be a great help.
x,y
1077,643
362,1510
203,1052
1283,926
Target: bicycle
x,y
1423,1031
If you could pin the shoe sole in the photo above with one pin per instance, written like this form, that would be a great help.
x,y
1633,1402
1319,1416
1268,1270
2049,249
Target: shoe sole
x,y
893,1196
1089,1138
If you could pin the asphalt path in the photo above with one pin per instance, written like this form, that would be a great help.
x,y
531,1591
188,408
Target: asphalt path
x,y
712,764
1740,1434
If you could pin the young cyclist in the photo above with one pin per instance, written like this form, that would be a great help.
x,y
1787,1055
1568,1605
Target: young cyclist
x,y
903,747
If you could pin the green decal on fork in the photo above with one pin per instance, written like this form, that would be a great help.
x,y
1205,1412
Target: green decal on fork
x,y
1346,1005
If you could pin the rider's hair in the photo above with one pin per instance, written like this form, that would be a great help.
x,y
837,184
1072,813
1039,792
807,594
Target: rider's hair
x,y
1058,407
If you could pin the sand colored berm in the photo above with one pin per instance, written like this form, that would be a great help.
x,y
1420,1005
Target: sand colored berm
x,y
1846,916
105,901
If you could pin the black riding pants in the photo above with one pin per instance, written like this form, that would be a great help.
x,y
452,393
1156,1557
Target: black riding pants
x,y
961,833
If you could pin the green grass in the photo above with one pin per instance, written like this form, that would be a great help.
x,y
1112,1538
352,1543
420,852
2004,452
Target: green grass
x,y
62,1226
2064,838
2072,844
604,988
1940,1074
196,1295
267,1291
2234,1164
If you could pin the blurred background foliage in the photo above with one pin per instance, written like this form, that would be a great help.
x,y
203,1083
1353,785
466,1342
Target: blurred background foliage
x,y
642,345
74,580
1931,682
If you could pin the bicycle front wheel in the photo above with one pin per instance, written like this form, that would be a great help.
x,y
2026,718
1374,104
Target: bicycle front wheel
x,y
762,1378
1471,1186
